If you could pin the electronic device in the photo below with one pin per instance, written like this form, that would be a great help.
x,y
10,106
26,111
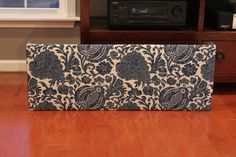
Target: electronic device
x,y
147,14
232,3
223,18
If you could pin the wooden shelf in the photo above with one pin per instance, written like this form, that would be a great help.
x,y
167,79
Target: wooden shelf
x,y
119,36
217,35
124,36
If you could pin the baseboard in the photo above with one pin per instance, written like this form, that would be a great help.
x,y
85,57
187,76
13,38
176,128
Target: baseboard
x,y
12,65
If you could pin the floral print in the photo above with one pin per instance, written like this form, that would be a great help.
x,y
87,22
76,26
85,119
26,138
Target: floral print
x,y
189,70
86,80
114,55
89,98
133,67
47,66
120,77
156,80
63,89
181,53
33,86
173,98
129,107
207,69
104,68
94,53
135,92
171,81
70,79
45,106
49,91
147,90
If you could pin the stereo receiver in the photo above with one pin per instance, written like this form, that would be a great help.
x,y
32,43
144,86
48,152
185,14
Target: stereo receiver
x,y
147,14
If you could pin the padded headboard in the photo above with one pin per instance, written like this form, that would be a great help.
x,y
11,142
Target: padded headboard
x,y
120,77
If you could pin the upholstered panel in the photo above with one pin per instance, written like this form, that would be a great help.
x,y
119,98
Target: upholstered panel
x,y
120,77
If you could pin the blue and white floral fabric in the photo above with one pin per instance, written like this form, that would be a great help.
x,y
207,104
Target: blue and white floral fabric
x,y
120,77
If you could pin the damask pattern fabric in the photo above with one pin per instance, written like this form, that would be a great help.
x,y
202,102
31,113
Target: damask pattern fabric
x,y
120,77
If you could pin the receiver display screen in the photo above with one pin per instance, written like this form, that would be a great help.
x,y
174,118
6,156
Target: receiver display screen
x,y
148,11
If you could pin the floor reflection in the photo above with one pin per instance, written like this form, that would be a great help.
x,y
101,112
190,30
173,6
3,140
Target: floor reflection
x,y
42,134
73,132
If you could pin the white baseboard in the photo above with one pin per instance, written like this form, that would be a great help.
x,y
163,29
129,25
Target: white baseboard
x,y
12,65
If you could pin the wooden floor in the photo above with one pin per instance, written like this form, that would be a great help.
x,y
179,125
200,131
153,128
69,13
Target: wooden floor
x,y
113,134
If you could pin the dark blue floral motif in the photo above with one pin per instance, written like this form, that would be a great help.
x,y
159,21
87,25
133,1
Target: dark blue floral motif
x,y
162,72
86,80
32,82
116,88
90,98
180,53
172,98
76,70
108,79
193,107
189,70
70,79
158,64
110,105
161,63
193,80
94,53
114,55
133,67
202,85
72,63
33,86
47,66
207,69
99,79
148,90
118,83
45,106
200,57
156,80
129,107
135,92
75,62
49,91
184,81
171,81
104,68
63,89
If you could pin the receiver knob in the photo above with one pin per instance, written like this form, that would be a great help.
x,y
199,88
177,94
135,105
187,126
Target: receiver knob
x,y
177,11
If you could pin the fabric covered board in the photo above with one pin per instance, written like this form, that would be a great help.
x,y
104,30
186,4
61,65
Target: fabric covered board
x,y
120,77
